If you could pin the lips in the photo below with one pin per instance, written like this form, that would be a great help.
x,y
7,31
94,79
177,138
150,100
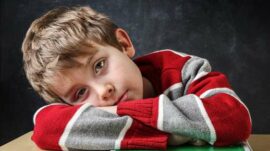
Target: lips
x,y
122,97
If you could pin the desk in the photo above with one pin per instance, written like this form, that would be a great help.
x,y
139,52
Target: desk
x,y
24,143
259,142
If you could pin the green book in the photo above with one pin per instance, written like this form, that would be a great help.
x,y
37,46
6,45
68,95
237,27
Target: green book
x,y
240,147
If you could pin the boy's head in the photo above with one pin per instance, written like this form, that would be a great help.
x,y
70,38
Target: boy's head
x,y
67,49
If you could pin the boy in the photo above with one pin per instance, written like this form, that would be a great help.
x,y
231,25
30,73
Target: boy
x,y
80,58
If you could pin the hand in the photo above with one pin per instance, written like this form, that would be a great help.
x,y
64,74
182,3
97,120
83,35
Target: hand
x,y
111,109
177,139
197,142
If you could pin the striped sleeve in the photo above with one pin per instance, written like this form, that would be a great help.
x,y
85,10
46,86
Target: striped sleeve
x,y
84,127
201,106
228,118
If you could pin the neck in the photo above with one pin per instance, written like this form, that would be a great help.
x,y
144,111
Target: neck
x,y
148,89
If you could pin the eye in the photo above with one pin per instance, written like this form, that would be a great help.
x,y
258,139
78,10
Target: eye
x,y
80,94
99,65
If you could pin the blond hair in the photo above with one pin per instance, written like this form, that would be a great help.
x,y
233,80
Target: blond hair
x,y
53,40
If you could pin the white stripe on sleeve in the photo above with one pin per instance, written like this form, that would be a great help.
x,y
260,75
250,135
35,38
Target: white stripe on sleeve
x,y
123,133
207,120
160,112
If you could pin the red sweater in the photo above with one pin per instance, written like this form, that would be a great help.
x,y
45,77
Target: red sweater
x,y
192,102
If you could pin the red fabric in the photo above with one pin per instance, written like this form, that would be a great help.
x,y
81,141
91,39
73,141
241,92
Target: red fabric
x,y
48,121
210,81
147,137
160,71
156,68
230,129
145,110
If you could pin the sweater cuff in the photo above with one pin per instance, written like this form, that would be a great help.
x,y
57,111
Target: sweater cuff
x,y
141,136
145,111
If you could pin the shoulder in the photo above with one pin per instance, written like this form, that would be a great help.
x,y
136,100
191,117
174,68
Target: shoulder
x,y
165,53
164,59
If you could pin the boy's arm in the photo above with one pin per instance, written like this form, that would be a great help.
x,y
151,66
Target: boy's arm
x,y
84,127
172,138
204,107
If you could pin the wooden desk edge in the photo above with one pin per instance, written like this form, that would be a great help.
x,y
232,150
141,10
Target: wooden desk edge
x,y
24,142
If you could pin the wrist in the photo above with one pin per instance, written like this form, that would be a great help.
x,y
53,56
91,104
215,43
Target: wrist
x,y
145,111
110,109
197,142
178,139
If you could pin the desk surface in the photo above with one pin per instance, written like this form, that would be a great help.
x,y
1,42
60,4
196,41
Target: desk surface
x,y
24,143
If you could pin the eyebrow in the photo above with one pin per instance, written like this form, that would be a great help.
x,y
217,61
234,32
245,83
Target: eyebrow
x,y
87,62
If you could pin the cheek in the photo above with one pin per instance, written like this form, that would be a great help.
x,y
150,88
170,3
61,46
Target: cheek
x,y
125,75
132,78
92,100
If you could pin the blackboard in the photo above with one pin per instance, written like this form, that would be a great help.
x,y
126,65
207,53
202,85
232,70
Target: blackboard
x,y
233,35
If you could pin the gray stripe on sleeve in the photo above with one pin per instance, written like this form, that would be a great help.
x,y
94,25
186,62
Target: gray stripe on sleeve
x,y
183,117
95,129
174,91
192,67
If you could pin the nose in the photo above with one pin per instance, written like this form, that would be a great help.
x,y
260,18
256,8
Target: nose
x,y
107,92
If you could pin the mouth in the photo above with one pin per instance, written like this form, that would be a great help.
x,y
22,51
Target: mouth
x,y
122,98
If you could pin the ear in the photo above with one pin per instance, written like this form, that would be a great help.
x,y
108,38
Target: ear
x,y
125,42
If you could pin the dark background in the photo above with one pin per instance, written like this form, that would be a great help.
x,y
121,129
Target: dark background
x,y
233,35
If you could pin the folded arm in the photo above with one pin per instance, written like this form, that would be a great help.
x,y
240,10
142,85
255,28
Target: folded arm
x,y
202,106
84,127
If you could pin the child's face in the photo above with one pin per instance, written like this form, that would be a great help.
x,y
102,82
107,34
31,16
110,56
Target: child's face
x,y
107,79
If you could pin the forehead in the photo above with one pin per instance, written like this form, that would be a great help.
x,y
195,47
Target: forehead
x,y
76,57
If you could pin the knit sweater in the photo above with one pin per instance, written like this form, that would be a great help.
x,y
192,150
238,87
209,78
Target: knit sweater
x,y
192,102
